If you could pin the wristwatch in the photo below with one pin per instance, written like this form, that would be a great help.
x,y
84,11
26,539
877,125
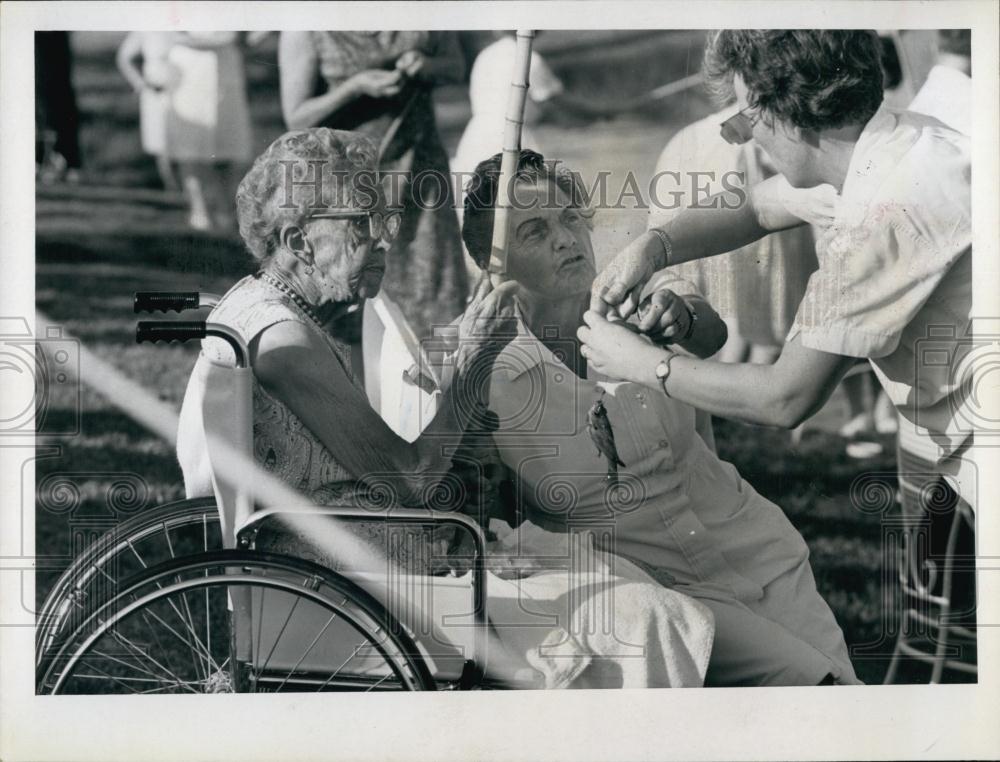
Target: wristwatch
x,y
663,370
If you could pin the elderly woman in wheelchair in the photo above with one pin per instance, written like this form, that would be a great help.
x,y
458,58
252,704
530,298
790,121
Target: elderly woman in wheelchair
x,y
273,601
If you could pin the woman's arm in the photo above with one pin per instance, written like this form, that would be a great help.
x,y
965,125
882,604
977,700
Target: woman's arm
x,y
127,58
674,314
718,224
207,40
445,66
784,394
320,393
297,367
299,69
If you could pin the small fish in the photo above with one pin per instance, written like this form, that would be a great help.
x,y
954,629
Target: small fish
x,y
599,428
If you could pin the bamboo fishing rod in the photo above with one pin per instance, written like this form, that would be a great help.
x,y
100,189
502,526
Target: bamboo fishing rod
x,y
513,123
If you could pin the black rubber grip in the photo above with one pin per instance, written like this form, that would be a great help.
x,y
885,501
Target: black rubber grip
x,y
178,301
169,330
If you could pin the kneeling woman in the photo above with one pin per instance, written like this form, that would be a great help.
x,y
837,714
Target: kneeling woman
x,y
321,251
633,465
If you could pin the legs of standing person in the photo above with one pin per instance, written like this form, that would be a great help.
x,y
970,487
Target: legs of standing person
x,y
222,191
857,390
210,190
869,412
57,105
195,177
939,538
168,175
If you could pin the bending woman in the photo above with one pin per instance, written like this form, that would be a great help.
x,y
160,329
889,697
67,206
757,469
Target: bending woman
x,y
633,468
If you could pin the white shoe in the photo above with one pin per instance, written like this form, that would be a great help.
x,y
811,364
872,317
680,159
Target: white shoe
x,y
200,222
863,450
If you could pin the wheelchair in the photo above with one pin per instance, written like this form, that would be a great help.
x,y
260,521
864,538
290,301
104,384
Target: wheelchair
x,y
209,595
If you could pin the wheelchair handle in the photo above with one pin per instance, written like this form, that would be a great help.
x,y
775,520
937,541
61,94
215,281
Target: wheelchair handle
x,y
183,330
179,330
178,301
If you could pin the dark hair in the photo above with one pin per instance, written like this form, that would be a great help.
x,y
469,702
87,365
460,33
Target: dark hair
x,y
481,196
812,78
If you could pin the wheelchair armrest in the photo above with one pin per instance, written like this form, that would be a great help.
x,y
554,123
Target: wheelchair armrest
x,y
415,516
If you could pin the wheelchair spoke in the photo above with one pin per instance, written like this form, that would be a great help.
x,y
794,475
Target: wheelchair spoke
x,y
170,545
208,628
168,655
142,653
137,668
206,667
280,633
260,624
355,652
107,576
376,685
198,649
123,681
188,623
307,651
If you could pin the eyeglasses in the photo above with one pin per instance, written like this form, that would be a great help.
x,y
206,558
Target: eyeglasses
x,y
738,129
381,225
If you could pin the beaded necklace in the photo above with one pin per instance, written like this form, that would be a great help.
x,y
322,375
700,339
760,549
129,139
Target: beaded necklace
x,y
284,288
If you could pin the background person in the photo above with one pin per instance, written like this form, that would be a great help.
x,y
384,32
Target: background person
x,y
193,114
381,84
57,119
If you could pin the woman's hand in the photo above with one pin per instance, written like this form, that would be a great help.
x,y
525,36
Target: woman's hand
x,y
487,326
614,349
500,560
411,63
664,316
617,287
377,83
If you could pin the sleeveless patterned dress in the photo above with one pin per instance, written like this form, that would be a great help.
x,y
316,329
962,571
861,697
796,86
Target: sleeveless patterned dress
x,y
284,445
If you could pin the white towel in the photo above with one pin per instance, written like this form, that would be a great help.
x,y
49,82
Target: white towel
x,y
598,622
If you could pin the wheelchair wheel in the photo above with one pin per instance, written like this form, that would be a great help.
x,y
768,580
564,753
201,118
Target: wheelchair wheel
x,y
167,531
236,621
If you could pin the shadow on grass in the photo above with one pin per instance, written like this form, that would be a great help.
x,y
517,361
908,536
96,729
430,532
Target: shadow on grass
x,y
188,254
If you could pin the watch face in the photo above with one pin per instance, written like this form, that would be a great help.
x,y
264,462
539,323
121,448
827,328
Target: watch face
x,y
662,369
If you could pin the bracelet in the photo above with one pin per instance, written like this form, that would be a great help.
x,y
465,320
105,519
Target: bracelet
x,y
666,243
